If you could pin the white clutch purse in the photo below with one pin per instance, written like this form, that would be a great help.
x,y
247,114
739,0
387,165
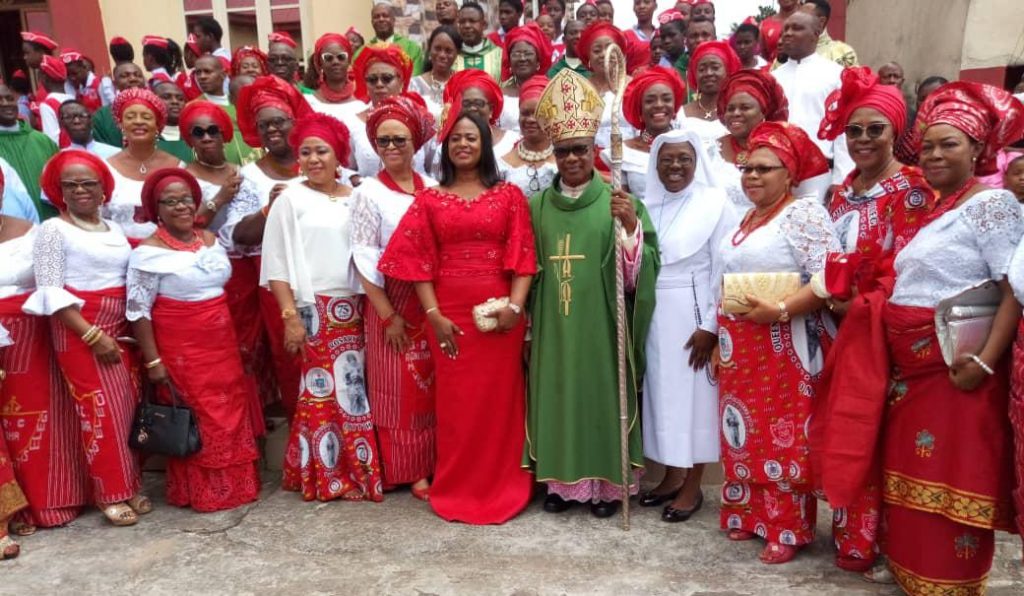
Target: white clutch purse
x,y
773,287
482,313
964,322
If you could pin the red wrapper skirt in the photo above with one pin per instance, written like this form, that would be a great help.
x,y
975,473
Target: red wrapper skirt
x,y
242,295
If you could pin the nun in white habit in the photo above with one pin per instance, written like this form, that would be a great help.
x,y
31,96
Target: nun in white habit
x,y
692,214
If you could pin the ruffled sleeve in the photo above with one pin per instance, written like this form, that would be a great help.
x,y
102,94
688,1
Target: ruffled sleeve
x,y
520,249
411,254
366,237
808,230
48,260
143,287
996,220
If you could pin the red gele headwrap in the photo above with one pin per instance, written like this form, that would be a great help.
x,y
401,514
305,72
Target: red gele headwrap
x,y
987,114
267,92
352,30
249,52
760,85
670,15
282,37
388,53
192,43
54,68
49,180
158,181
531,34
39,39
722,49
410,110
143,97
792,146
596,30
198,109
474,78
532,88
633,100
861,89
327,39
326,128
67,56
155,41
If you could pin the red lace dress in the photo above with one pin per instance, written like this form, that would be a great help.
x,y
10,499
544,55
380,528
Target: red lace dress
x,y
471,251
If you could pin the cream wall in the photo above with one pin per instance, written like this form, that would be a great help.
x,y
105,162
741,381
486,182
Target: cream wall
x,y
335,16
135,18
994,34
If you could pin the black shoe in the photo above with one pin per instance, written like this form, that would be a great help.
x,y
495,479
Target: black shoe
x,y
604,508
652,499
556,504
673,515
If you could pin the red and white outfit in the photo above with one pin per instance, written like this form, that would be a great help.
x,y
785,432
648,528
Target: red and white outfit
x,y
90,94
37,414
182,293
86,270
49,114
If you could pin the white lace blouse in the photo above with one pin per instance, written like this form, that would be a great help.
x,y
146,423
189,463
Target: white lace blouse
x,y
341,111
529,179
16,274
307,244
187,276
634,169
376,211
253,195
210,190
126,202
66,256
965,246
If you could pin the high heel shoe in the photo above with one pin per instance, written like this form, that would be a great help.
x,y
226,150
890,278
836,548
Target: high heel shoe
x,y
422,494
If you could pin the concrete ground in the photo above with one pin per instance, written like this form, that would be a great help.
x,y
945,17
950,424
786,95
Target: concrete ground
x,y
284,546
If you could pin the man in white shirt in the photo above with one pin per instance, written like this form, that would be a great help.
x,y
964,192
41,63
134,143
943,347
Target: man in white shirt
x,y
76,122
808,79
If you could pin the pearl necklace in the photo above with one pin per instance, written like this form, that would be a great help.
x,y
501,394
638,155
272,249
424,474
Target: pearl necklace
x,y
534,156
88,226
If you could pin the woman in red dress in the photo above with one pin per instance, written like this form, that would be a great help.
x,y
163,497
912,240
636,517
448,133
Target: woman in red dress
x,y
12,499
462,243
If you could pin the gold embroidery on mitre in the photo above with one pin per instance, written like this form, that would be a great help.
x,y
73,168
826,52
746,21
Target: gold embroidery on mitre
x,y
912,583
570,107
971,509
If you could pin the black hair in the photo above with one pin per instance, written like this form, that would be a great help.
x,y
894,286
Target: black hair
x,y
517,5
701,19
474,5
560,3
70,102
210,26
487,168
19,85
822,7
39,47
932,80
676,24
169,57
452,34
749,28
122,52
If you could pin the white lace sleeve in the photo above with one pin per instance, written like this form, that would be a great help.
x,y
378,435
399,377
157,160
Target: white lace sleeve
x,y
808,230
996,220
48,260
245,203
143,287
366,244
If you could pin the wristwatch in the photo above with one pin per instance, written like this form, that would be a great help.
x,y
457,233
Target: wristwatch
x,y
783,312
211,205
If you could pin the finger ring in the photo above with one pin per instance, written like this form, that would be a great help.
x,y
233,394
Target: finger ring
x,y
444,344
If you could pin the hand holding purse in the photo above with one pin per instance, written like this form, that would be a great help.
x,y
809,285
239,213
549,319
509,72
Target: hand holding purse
x,y
770,287
963,322
164,430
483,313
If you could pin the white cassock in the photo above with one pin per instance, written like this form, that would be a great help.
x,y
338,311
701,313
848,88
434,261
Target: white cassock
x,y
807,84
680,414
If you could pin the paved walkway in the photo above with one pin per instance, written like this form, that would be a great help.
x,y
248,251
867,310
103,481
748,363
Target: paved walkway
x,y
283,546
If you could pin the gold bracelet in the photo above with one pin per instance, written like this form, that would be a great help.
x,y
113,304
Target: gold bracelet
x,y
153,363
91,334
432,309
95,340
288,313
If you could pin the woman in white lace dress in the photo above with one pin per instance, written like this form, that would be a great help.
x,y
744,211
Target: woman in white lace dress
x,y
770,357
531,164
206,127
180,317
141,115
947,444
80,264
710,65
443,47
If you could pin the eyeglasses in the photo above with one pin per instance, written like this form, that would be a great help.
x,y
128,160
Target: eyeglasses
x,y
856,131
684,160
397,142
278,123
212,131
73,185
182,201
580,150
281,60
329,58
475,104
523,55
760,170
384,79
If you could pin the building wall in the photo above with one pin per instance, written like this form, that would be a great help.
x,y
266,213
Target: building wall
x,y
132,19
335,16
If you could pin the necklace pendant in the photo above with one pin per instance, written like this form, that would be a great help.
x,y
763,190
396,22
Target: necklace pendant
x,y
142,168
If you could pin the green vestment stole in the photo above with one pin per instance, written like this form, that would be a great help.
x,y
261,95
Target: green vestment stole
x,y
573,405
488,60
28,150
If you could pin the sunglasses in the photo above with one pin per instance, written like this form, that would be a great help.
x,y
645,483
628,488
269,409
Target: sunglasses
x,y
856,131
328,58
182,201
384,79
278,123
760,170
580,150
396,142
212,131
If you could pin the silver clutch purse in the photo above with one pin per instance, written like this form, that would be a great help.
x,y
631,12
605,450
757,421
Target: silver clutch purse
x,y
963,322
482,313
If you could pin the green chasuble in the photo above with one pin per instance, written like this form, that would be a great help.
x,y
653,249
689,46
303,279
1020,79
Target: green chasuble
x,y
488,59
563,63
573,406
28,150
410,47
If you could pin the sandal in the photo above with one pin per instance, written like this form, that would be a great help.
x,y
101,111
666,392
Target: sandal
x,y
738,535
854,564
9,549
777,554
120,514
22,529
141,504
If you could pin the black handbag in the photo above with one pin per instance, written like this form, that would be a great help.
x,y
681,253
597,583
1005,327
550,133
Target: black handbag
x,y
164,430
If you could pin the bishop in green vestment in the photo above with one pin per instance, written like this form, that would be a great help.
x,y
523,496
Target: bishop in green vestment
x,y
26,149
573,432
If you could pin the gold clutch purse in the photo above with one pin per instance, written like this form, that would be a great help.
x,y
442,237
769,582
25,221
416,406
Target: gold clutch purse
x,y
772,287
482,313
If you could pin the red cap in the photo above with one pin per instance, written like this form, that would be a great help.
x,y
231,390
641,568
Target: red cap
x,y
155,40
282,37
38,38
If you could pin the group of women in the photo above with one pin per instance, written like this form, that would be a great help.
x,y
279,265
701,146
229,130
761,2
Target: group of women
x,y
352,252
